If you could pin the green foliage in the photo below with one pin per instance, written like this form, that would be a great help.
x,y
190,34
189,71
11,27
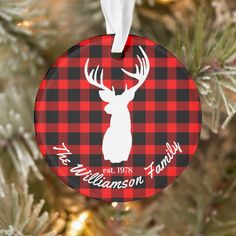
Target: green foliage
x,y
19,216
25,34
210,54
17,141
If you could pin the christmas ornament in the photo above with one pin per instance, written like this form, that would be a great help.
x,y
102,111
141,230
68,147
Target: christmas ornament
x,y
118,117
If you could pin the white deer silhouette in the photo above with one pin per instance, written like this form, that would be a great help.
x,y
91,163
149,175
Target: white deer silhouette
x,y
117,141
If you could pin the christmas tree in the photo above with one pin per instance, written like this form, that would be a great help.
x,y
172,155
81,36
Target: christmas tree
x,y
34,202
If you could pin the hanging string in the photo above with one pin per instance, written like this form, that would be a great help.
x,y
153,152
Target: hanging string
x,y
119,16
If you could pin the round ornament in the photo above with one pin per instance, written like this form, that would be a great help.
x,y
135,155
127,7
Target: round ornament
x,y
118,129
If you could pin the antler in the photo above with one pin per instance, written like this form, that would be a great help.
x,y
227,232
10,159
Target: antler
x,y
92,77
142,72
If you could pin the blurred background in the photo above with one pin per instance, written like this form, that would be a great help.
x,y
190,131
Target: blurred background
x,y
202,202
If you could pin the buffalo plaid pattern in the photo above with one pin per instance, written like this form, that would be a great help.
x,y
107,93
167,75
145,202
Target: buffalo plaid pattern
x,y
166,108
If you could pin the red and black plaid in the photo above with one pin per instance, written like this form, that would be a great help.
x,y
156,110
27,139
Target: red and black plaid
x,y
165,109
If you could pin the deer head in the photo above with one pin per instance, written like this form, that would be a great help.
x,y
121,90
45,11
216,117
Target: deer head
x,y
117,103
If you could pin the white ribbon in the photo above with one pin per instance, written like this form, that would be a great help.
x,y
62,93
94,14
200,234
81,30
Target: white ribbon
x,y
119,16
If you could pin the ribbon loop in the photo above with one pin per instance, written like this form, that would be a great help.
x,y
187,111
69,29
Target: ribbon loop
x,y
119,16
